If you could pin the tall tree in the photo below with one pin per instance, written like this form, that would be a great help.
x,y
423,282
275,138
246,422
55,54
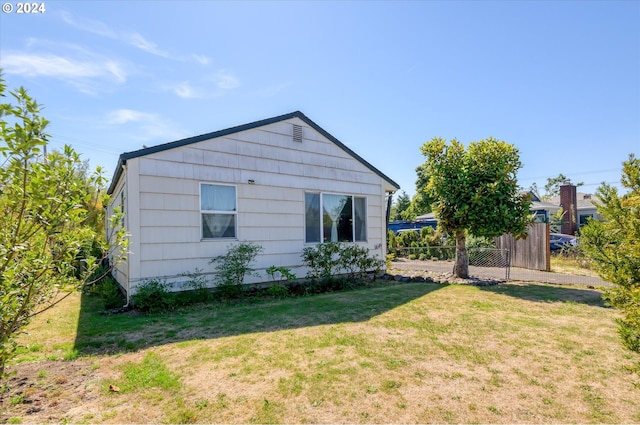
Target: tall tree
x,y
46,244
400,205
552,188
614,247
475,190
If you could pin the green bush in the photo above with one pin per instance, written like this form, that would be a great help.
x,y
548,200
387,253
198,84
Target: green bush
x,y
232,268
283,272
198,289
153,296
327,260
322,260
109,290
278,291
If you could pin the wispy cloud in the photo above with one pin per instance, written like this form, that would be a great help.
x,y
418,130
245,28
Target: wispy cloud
x,y
212,86
90,25
100,28
273,90
186,91
138,41
201,59
145,126
226,81
76,71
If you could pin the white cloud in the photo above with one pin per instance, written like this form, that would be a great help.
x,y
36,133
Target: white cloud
x,y
100,28
123,116
185,90
273,89
89,25
50,65
201,59
213,86
226,81
141,43
144,126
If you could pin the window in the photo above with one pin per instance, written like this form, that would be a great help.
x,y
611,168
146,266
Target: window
x,y
335,218
584,219
218,210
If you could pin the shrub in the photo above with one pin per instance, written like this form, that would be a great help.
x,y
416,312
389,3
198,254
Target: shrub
x,y
324,261
283,272
233,266
278,291
357,261
198,288
109,290
321,260
153,296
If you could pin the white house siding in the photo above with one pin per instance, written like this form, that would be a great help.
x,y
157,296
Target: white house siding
x,y
166,185
120,270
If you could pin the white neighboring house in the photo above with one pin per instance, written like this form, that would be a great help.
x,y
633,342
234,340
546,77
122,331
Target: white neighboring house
x,y
283,183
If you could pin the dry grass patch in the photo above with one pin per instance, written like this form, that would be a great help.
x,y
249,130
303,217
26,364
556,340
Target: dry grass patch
x,y
412,353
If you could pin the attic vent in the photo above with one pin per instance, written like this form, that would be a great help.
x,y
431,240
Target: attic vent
x,y
297,133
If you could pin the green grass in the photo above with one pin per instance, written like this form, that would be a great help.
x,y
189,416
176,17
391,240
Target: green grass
x,y
397,353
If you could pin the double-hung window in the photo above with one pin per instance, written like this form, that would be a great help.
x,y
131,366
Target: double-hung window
x,y
218,210
335,218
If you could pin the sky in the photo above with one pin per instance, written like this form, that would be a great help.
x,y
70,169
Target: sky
x,y
558,80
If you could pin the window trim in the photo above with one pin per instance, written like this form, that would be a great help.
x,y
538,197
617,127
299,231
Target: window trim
x,y
353,216
219,212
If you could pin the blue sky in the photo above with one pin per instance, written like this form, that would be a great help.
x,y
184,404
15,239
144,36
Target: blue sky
x,y
559,80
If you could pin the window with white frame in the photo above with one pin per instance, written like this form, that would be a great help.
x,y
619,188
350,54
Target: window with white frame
x,y
335,218
218,210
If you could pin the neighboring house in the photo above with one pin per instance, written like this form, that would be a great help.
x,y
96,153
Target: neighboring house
x,y
543,210
586,207
283,183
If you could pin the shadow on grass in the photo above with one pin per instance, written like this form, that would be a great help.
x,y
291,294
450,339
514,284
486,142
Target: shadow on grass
x,y
541,292
100,333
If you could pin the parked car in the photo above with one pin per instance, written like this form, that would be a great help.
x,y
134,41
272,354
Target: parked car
x,y
560,241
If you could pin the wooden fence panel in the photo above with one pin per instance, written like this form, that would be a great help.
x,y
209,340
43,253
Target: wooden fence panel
x,y
532,253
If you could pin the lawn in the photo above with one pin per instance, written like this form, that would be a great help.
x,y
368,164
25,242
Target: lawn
x,y
400,353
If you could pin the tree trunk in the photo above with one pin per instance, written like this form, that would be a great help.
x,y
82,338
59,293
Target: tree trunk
x,y
461,267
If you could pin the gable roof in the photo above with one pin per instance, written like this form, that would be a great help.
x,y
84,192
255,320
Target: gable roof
x,y
122,160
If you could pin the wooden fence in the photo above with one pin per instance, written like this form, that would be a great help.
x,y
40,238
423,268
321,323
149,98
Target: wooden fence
x,y
533,253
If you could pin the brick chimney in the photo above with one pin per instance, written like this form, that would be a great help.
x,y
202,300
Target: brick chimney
x,y
569,204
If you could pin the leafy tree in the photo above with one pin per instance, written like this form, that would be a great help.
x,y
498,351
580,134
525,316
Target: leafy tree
x,y
46,246
400,205
475,190
614,247
420,203
552,188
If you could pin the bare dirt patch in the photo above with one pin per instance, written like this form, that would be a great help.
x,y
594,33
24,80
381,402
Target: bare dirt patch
x,y
46,391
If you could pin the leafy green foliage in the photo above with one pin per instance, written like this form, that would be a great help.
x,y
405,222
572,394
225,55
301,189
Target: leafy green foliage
x,y
614,248
283,272
474,190
233,266
47,242
400,205
109,290
278,291
324,261
153,296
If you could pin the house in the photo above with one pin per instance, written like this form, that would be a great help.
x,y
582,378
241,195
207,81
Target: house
x,y
586,208
543,210
578,208
284,183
